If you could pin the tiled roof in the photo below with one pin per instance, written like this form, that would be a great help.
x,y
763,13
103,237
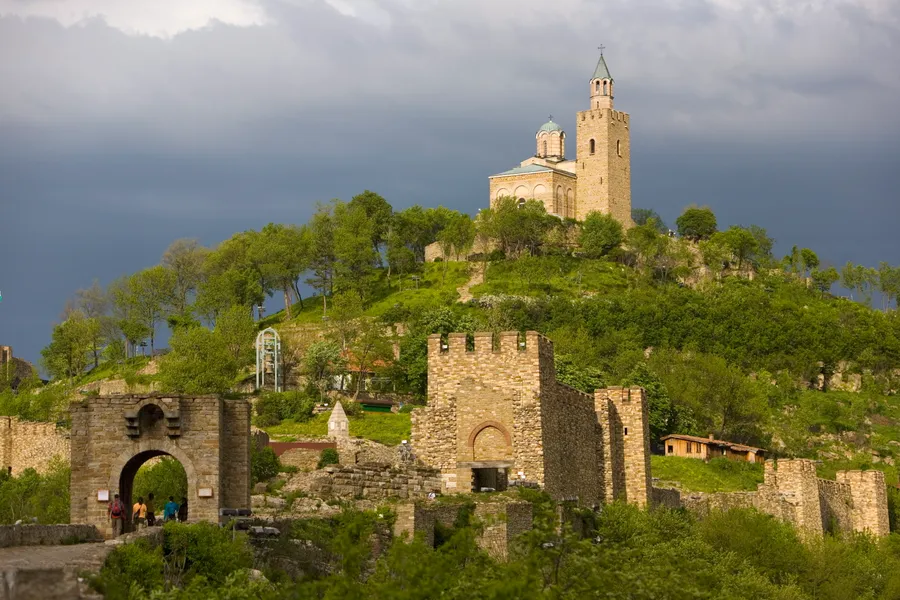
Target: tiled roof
x,y
524,170
602,71
703,440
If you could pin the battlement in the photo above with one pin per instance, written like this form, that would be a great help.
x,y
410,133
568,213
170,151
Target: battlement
x,y
485,343
605,113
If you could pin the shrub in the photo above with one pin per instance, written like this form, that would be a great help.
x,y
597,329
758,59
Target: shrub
x,y
32,495
329,456
139,564
264,465
353,409
274,407
163,479
203,550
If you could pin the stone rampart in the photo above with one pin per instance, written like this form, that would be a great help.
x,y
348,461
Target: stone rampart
x,y
855,502
377,481
26,444
47,535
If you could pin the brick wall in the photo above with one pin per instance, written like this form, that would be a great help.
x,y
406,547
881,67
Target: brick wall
x,y
46,535
26,444
378,481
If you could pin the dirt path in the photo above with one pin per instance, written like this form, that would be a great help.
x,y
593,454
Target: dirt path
x,y
476,278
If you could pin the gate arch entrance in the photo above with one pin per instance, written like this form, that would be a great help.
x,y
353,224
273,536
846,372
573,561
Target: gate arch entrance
x,y
112,436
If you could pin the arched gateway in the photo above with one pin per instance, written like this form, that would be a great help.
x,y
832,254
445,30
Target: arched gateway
x,y
112,436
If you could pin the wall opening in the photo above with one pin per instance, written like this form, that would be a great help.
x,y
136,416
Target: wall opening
x,y
489,480
592,146
152,472
619,147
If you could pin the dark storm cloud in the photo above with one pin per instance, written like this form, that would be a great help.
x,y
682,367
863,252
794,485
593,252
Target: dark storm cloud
x,y
113,144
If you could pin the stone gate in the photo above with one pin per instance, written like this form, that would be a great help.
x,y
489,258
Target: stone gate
x,y
112,436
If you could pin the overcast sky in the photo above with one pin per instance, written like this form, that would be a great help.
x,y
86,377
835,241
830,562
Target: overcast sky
x,y
125,124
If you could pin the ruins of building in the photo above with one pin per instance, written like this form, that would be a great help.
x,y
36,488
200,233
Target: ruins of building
x,y
31,445
496,412
855,502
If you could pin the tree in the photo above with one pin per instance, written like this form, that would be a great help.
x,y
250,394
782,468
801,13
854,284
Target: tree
x,y
199,362
741,243
322,257
809,260
859,278
232,277
600,234
67,354
150,292
401,258
456,238
379,213
185,258
764,245
282,253
793,262
715,253
823,280
369,347
640,216
355,257
517,227
237,331
696,223
322,363
647,243
665,416
94,304
888,284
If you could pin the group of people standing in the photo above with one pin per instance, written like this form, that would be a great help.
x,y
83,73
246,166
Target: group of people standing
x,y
143,514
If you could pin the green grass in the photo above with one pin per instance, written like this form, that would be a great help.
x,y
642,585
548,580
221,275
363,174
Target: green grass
x,y
112,370
552,275
385,428
717,475
436,287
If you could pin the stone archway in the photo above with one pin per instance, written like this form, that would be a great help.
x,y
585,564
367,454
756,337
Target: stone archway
x,y
113,435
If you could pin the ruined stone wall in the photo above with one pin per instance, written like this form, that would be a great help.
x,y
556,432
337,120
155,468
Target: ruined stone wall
x,y
26,444
868,493
47,535
624,419
234,453
836,505
377,481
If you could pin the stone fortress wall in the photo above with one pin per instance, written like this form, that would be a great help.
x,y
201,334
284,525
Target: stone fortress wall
x,y
25,444
496,404
855,502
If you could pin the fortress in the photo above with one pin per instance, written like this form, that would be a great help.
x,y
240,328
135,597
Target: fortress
x,y
597,179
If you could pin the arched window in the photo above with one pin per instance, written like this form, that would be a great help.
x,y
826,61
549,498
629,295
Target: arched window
x,y
597,88
592,146
605,89
545,148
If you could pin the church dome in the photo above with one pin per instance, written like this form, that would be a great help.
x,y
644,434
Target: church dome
x,y
550,126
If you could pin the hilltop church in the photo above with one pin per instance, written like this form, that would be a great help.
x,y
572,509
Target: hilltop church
x,y
597,179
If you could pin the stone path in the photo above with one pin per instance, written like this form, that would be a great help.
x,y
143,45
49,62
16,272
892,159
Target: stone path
x,y
477,278
78,556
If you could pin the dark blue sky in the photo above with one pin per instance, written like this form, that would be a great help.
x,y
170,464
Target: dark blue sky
x,y
124,132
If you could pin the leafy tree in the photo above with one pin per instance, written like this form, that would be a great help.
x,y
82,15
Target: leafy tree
x,y
32,495
233,277
264,464
665,416
322,363
516,228
793,262
456,238
641,216
369,347
199,362
861,279
809,259
648,244
715,253
600,234
379,213
400,257
322,257
236,329
163,478
355,257
71,344
742,244
764,245
94,303
282,254
148,294
888,284
824,279
696,223
185,258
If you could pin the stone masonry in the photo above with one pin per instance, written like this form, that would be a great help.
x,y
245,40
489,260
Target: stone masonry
x,y
377,481
112,436
498,407
855,502
28,445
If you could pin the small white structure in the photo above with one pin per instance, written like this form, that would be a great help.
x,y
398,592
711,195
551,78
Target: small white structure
x,y
338,424
268,359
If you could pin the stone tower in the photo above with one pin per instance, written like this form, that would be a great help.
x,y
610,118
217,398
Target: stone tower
x,y
603,153
551,142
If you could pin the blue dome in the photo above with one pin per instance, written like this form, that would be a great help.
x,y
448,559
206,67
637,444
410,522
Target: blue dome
x,y
550,126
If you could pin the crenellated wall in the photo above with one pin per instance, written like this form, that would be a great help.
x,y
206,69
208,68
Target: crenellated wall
x,y
855,502
496,404
27,444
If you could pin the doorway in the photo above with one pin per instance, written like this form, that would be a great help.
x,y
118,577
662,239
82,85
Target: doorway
x,y
489,480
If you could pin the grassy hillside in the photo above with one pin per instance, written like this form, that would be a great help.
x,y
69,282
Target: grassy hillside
x,y
717,475
385,428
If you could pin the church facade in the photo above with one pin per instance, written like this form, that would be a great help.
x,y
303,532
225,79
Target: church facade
x,y
598,178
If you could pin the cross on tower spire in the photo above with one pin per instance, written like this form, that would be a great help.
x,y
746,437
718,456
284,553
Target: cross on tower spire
x,y
600,48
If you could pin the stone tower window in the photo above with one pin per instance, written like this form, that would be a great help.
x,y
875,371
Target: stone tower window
x,y
619,147
545,148
605,89
598,86
592,146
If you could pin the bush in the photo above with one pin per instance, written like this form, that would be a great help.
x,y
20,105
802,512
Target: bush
x,y
329,456
163,479
274,407
353,409
130,565
203,550
264,465
32,495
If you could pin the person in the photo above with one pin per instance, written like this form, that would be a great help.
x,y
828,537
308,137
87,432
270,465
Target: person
x,y
182,510
151,510
139,513
116,512
170,510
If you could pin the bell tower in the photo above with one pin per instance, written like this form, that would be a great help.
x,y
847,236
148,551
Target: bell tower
x,y
603,152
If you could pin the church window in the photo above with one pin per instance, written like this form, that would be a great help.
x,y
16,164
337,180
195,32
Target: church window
x,y
605,88
545,147
592,146
598,86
